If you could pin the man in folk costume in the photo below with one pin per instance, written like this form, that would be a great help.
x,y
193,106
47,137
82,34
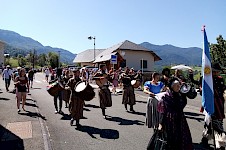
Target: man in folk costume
x,y
75,103
128,90
218,115
102,78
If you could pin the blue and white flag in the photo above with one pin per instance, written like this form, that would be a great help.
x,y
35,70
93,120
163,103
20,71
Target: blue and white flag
x,y
207,81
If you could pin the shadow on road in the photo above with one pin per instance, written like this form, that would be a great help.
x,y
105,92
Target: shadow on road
x,y
137,113
91,105
29,104
194,116
86,109
36,88
5,99
124,121
32,114
144,102
10,141
104,133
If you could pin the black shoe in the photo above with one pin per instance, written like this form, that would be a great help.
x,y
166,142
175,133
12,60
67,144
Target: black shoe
x,y
103,112
126,107
71,122
131,109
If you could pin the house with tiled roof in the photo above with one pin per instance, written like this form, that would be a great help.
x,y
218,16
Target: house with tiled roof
x,y
128,54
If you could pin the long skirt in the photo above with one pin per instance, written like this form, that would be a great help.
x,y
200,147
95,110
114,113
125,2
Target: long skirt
x,y
76,108
128,96
105,98
66,95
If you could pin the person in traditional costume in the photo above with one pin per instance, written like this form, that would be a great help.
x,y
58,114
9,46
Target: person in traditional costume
x,y
102,79
172,120
66,93
75,103
128,90
218,115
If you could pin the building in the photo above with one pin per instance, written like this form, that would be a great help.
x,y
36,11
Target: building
x,y
2,44
128,54
86,57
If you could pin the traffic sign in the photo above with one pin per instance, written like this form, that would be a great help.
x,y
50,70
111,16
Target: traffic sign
x,y
113,59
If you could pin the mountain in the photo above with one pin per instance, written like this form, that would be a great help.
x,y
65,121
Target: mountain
x,y
172,55
15,42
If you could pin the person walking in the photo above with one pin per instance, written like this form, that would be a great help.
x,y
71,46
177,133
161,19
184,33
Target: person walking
x,y
21,83
31,74
76,103
115,77
173,122
128,97
218,115
47,72
102,78
7,75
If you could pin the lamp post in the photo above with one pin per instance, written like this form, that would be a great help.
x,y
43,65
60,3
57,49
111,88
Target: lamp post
x,y
94,38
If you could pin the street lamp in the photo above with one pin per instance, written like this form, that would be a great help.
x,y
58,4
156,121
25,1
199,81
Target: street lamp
x,y
94,38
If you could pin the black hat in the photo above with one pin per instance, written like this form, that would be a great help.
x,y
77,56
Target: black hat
x,y
216,67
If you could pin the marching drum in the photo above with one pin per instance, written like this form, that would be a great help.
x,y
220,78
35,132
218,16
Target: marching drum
x,y
54,88
85,91
135,83
189,90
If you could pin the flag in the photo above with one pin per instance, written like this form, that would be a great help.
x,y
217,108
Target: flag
x,y
207,81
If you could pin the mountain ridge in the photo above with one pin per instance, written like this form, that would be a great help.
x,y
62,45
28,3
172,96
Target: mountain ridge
x,y
17,41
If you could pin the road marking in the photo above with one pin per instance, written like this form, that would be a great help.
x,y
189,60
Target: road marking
x,y
21,129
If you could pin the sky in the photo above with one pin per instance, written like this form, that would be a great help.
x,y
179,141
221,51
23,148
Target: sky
x,y
68,23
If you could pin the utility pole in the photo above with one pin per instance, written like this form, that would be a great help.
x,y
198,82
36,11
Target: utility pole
x,y
34,59
58,59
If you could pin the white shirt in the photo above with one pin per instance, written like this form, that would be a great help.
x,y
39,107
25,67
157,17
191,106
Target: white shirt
x,y
6,73
47,72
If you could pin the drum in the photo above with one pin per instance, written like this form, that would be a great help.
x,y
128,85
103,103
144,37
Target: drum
x,y
185,88
53,88
85,91
189,90
135,83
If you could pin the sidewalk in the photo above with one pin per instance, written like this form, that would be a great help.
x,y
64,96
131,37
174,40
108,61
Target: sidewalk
x,y
19,131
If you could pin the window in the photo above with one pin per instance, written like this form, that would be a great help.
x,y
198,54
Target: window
x,y
145,64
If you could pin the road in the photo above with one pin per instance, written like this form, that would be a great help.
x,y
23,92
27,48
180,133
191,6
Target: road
x,y
121,130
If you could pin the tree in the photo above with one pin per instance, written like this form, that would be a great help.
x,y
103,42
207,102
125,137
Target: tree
x,y
42,60
53,59
218,51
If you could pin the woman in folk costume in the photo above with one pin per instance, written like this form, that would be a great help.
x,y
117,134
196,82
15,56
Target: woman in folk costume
x,y
172,120
128,97
102,79
76,103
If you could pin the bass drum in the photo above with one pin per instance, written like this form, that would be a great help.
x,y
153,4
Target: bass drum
x,y
135,83
85,91
54,88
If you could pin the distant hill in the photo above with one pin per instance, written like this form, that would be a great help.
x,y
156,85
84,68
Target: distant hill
x,y
172,55
16,42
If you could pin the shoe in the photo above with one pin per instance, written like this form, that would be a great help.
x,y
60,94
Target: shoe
x,y
71,122
18,110
131,109
56,112
60,112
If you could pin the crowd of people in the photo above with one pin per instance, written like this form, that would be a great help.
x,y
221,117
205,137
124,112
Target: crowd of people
x,y
166,101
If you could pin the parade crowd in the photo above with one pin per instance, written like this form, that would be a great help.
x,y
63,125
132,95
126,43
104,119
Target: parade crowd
x,y
167,97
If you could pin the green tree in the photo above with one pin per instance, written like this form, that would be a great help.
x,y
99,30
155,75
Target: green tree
x,y
218,51
42,60
53,59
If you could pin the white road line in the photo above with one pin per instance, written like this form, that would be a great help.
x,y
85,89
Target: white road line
x,y
37,81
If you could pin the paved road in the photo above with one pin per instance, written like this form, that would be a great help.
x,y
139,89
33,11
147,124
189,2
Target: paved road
x,y
120,131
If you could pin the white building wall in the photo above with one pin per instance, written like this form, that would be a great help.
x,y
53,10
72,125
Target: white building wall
x,y
133,59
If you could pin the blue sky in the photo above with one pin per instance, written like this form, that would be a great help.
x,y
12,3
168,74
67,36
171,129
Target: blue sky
x,y
67,23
